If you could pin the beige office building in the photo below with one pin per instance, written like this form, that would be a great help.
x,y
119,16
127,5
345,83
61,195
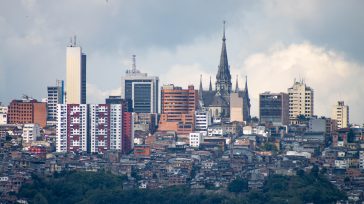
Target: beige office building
x,y
300,101
340,113
76,75
236,107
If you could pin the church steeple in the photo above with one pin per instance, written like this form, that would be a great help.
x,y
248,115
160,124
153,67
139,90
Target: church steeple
x,y
210,86
237,85
223,77
246,106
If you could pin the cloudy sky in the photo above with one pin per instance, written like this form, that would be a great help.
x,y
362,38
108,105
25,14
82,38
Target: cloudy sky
x,y
272,42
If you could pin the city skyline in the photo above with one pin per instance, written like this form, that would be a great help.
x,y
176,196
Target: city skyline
x,y
329,62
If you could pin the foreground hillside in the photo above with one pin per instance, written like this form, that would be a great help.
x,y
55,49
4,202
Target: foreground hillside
x,y
77,187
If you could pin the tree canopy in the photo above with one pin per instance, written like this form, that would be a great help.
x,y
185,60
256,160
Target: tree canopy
x,y
86,187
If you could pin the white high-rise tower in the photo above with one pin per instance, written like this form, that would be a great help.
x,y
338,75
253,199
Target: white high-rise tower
x,y
76,75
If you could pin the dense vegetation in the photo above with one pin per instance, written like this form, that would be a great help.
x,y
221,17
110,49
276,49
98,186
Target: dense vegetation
x,y
79,187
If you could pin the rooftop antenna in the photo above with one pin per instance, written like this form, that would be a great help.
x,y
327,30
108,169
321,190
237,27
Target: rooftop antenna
x,y
134,64
74,40
71,41
224,22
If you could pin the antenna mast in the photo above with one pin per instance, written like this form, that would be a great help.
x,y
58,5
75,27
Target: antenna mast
x,y
74,41
134,64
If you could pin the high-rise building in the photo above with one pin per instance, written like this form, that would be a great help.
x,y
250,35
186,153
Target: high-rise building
x,y
27,110
3,114
55,96
100,119
141,89
94,128
178,109
72,128
76,75
340,113
301,101
116,126
273,107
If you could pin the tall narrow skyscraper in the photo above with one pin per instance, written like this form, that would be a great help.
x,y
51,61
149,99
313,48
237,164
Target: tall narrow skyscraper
x,y
76,74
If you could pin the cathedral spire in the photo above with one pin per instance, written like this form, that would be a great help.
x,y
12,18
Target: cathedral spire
x,y
246,85
247,105
237,85
223,77
210,86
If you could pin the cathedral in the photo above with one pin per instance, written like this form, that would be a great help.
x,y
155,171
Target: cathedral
x,y
217,101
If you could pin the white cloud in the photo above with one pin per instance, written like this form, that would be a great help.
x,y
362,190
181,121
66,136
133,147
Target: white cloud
x,y
97,95
169,42
331,76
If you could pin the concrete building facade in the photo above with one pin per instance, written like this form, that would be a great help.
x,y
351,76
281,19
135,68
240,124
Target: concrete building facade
x,y
141,89
75,75
202,120
274,108
301,101
340,113
178,109
3,115
55,96
196,138
94,128
30,132
27,110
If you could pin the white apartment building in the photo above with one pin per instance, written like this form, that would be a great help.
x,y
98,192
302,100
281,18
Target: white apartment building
x,y
196,138
55,96
361,160
340,113
202,120
3,115
72,128
30,132
99,124
301,101
116,129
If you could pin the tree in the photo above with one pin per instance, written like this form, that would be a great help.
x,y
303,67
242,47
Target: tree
x,y
315,170
39,198
238,185
351,136
300,173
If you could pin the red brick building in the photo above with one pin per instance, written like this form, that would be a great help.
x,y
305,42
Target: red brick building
x,y
127,132
142,150
27,111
